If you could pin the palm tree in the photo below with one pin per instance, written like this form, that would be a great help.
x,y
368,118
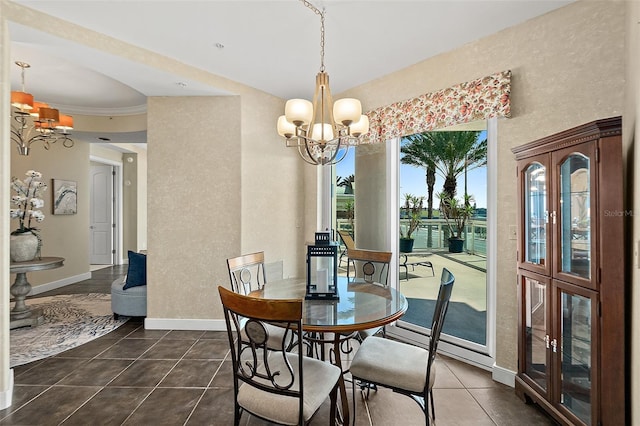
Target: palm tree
x,y
347,182
444,153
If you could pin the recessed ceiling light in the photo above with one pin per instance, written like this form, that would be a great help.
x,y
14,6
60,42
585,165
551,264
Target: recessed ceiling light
x,y
219,45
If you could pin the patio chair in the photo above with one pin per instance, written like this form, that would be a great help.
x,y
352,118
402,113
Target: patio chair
x,y
349,244
274,384
404,368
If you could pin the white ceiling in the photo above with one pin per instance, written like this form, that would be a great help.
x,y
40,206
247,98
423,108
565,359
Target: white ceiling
x,y
273,46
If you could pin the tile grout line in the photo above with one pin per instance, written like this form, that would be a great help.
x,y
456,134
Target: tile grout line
x,y
105,385
206,388
163,377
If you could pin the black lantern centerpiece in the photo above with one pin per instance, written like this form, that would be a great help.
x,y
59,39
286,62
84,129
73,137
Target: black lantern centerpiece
x,y
322,268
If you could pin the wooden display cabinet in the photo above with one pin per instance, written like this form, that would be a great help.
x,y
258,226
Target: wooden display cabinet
x,y
571,286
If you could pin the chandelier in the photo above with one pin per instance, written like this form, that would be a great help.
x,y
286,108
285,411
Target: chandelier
x,y
322,130
36,121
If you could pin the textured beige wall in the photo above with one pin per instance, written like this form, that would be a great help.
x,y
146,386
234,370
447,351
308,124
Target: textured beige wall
x,y
141,207
272,187
130,205
568,69
126,123
194,203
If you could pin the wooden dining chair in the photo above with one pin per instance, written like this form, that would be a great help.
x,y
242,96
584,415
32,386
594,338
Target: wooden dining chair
x,y
404,368
247,272
372,267
276,385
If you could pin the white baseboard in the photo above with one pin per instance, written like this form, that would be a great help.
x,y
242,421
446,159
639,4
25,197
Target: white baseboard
x,y
60,283
504,376
7,394
184,324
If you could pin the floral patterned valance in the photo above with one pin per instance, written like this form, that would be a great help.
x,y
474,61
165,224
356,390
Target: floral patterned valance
x,y
474,100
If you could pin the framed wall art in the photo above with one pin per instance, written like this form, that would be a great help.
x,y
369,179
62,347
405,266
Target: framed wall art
x,y
64,196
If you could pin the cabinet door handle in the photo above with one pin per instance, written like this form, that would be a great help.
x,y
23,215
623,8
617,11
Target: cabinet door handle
x,y
554,343
546,341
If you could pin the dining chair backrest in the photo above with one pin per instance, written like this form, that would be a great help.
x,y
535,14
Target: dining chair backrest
x,y
247,272
371,265
265,369
440,311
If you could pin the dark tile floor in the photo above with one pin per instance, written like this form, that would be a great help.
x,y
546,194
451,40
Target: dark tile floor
x,y
134,376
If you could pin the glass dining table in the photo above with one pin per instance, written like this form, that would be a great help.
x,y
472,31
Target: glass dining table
x,y
361,306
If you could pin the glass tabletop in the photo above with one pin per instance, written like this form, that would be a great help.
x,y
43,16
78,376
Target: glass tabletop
x,y
361,306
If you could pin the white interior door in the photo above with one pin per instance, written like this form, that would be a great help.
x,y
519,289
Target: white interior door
x,y
101,226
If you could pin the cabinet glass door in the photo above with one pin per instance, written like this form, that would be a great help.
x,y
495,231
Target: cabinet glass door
x,y
575,215
535,214
536,336
576,354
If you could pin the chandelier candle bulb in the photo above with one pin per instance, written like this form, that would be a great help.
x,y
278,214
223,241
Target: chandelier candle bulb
x,y
347,111
322,132
22,100
65,123
361,127
285,128
298,111
48,114
35,112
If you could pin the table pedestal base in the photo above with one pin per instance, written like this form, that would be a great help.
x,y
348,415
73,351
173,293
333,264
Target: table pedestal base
x,y
34,319
19,291
22,315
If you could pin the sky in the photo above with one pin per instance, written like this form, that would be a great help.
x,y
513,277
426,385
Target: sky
x,y
413,180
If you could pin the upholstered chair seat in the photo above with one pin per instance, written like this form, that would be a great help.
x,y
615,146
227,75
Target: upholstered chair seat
x,y
393,363
319,379
131,302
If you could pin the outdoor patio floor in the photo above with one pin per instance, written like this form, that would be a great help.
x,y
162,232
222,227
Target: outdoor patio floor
x,y
467,316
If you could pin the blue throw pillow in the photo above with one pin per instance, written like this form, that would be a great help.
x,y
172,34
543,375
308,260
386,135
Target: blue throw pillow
x,y
137,273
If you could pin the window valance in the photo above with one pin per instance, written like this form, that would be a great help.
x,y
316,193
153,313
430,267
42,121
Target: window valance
x,y
479,99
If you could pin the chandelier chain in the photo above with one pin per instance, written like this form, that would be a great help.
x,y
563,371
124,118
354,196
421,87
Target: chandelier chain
x,y
321,14
22,65
322,131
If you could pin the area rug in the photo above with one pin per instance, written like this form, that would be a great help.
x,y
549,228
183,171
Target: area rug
x,y
69,321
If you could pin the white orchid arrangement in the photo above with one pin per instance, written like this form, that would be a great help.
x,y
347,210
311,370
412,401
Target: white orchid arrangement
x,y
27,200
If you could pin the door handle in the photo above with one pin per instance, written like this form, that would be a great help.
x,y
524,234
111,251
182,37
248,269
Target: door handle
x,y
554,343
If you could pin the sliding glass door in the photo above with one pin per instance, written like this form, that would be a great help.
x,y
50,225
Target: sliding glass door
x,y
432,169
369,195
